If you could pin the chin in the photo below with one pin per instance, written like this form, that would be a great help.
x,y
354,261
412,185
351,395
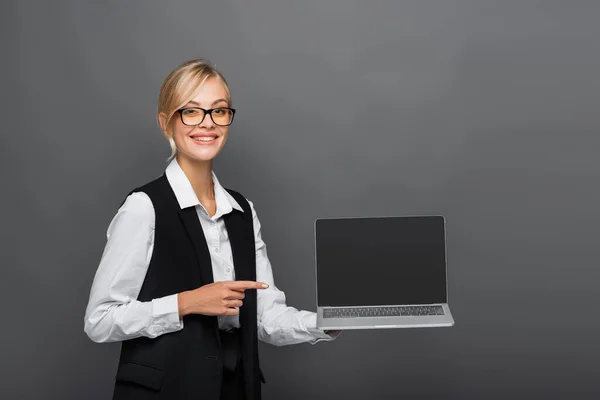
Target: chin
x,y
203,155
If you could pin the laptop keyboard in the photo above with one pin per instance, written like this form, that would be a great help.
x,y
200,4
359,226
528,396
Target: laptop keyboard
x,y
399,311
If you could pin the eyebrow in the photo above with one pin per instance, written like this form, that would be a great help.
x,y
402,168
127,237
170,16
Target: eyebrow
x,y
213,103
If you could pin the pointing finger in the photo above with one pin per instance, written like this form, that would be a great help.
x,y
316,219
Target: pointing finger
x,y
243,285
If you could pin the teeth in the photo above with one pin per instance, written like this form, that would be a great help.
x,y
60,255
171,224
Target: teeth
x,y
204,139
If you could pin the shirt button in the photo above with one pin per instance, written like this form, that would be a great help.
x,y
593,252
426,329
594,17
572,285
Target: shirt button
x,y
216,249
228,270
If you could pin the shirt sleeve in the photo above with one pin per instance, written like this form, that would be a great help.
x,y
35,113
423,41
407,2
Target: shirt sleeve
x,y
278,323
113,312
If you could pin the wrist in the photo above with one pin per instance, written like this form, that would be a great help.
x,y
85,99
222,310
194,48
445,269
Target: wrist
x,y
183,304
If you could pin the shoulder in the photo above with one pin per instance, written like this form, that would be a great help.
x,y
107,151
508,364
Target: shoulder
x,y
138,202
136,213
137,205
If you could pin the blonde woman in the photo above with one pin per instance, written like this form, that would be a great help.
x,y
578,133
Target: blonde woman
x,y
184,282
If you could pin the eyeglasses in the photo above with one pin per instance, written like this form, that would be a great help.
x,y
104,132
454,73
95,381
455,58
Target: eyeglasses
x,y
193,116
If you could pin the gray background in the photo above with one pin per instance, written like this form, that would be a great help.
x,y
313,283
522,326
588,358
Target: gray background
x,y
484,111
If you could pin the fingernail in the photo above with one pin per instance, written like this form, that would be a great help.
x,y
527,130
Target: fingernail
x,y
265,285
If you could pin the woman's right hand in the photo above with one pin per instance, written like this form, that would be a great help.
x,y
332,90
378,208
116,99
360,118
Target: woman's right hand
x,y
219,298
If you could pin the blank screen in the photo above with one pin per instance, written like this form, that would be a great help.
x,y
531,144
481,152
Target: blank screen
x,y
380,261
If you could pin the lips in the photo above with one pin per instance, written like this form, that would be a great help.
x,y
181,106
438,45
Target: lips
x,y
204,138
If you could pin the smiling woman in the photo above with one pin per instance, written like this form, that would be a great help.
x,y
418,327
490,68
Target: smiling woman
x,y
185,282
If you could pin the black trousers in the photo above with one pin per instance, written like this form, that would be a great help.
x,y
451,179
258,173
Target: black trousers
x,y
232,387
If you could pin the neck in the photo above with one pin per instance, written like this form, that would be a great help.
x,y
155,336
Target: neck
x,y
199,173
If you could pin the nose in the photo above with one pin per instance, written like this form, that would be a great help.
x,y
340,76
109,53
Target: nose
x,y
207,122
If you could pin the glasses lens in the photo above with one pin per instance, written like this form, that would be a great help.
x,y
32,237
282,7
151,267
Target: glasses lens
x,y
192,116
222,116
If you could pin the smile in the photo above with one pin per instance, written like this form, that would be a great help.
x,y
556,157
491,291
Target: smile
x,y
205,139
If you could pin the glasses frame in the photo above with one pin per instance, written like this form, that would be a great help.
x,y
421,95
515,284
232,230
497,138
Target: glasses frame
x,y
206,111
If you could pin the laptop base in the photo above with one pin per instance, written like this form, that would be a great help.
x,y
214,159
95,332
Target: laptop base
x,y
420,321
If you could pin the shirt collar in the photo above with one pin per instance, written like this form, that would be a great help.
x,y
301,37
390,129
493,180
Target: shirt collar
x,y
186,197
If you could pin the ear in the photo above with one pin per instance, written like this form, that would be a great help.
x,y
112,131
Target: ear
x,y
162,121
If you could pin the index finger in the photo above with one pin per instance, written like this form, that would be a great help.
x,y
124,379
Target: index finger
x,y
243,285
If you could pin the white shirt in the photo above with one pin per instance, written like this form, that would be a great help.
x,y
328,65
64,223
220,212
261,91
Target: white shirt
x,y
113,312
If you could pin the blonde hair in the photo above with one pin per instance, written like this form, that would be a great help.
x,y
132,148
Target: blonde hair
x,y
181,86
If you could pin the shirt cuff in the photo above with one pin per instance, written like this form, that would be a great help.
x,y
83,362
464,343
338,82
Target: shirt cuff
x,y
165,315
318,334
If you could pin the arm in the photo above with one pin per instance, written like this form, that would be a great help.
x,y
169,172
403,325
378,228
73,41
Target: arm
x,y
113,312
278,323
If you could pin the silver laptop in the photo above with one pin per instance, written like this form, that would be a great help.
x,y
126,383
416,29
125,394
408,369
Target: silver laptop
x,y
381,272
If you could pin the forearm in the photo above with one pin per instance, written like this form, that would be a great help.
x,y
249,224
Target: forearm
x,y
291,327
282,325
117,321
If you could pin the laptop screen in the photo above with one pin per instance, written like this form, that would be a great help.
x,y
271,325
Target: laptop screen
x,y
380,261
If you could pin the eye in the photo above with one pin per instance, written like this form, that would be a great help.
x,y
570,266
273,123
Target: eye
x,y
190,111
220,111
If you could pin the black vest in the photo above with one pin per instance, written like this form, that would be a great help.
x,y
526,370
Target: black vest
x,y
187,364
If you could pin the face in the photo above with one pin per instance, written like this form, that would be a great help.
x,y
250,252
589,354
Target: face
x,y
204,141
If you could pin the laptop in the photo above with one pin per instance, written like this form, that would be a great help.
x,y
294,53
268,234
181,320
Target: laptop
x,y
381,272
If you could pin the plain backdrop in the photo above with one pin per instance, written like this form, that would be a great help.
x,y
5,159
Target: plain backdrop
x,y
483,111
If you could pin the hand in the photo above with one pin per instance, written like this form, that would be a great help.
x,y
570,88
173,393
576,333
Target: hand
x,y
219,298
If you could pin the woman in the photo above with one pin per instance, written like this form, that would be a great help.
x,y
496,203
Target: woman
x,y
184,281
